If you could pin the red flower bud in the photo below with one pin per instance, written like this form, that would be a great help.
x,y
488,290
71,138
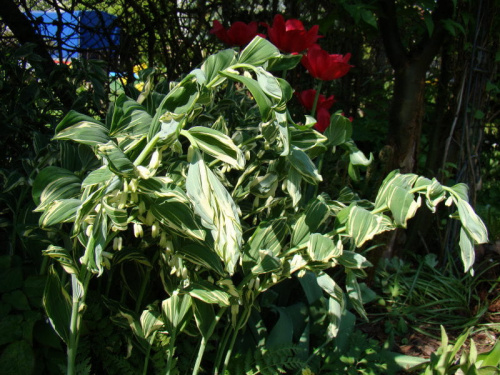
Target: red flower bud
x,y
324,66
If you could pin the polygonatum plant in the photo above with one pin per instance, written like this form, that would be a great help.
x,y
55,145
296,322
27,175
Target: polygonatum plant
x,y
214,187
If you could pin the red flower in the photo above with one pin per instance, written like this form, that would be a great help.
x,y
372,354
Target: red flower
x,y
324,66
306,98
239,34
291,36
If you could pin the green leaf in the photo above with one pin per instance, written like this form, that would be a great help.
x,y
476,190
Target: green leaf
x,y
467,252
60,211
217,210
356,156
98,176
281,334
283,62
163,187
292,186
53,183
263,101
264,186
175,311
208,293
339,131
218,145
150,322
392,181
462,190
491,358
177,104
352,260
57,305
72,118
304,165
268,83
258,51
307,139
314,216
202,255
118,216
177,215
270,235
321,248
336,303
118,162
216,63
129,116
362,225
267,263
204,316
402,205
64,258
82,129
354,293
471,222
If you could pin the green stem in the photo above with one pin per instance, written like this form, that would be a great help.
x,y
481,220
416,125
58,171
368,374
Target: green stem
x,y
220,349
233,340
171,350
147,150
316,98
146,360
204,340
145,281
76,317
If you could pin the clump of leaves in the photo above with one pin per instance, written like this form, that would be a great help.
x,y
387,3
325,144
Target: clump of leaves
x,y
207,196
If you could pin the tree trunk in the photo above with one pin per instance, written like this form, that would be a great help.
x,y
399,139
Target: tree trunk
x,y
405,122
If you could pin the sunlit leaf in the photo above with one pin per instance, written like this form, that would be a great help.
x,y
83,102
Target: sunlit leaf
x,y
175,312
60,211
258,51
218,145
303,164
208,293
362,225
54,183
216,208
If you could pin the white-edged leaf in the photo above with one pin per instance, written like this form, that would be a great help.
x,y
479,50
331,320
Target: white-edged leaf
x,y
309,222
362,225
258,51
175,312
178,216
354,294
301,162
208,293
218,145
60,211
467,252
350,259
57,303
150,322
471,222
85,132
54,183
118,162
321,248
216,208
